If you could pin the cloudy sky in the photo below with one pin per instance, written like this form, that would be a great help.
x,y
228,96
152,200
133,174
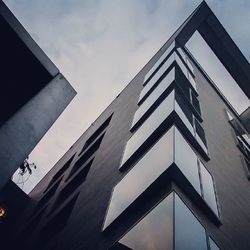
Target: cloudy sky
x,y
99,45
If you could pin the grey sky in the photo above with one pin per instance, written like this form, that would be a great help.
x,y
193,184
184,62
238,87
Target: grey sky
x,y
99,45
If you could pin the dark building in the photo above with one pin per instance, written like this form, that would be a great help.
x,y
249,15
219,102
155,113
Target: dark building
x,y
165,166
33,94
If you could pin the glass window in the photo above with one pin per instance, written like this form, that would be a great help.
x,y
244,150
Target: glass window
x,y
200,134
160,60
183,116
154,96
155,231
247,139
185,109
186,160
184,57
33,223
90,151
189,233
183,83
141,176
185,71
78,166
48,195
58,222
97,132
213,245
171,220
156,77
60,172
208,188
148,127
196,103
70,188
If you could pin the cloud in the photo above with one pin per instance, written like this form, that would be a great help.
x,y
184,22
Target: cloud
x,y
100,45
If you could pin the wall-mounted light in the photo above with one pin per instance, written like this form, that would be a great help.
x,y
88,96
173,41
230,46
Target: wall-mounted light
x,y
3,212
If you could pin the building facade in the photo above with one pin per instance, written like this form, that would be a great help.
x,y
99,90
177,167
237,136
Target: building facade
x,y
165,166
33,94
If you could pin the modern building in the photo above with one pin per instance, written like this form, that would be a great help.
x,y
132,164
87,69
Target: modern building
x,y
165,166
33,94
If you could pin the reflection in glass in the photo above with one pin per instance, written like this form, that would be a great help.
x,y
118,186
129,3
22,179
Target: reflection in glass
x,y
186,160
200,132
189,233
141,176
213,245
184,57
155,231
154,96
196,103
160,60
185,69
203,146
183,117
157,76
155,79
171,220
148,127
208,188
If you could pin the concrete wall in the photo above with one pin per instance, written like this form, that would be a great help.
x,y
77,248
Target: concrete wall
x,y
20,134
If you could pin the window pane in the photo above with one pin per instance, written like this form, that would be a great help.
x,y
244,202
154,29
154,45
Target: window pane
x,y
183,117
174,57
198,139
183,105
185,70
196,103
155,231
189,233
157,76
200,135
154,96
141,176
148,127
186,160
212,244
157,64
183,55
208,188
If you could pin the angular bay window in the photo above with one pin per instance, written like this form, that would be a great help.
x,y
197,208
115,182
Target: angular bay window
x,y
159,62
154,117
189,233
172,59
171,153
155,231
141,176
171,226
154,97
186,66
149,126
